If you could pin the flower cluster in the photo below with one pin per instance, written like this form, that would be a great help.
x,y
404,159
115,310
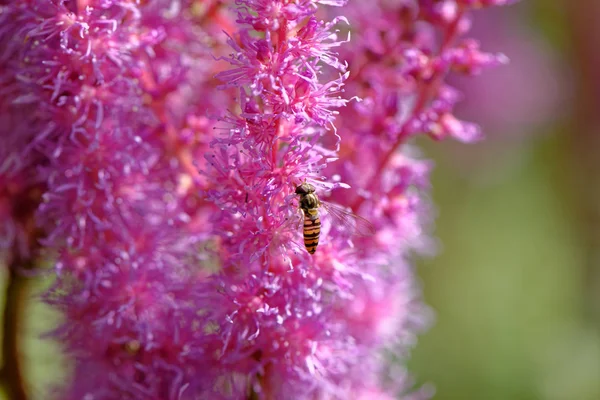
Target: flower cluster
x,y
105,109
283,329
166,185
400,57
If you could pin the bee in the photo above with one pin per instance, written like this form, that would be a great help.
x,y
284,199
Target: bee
x,y
310,203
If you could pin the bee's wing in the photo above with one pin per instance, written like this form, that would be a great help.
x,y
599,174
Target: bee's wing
x,y
356,225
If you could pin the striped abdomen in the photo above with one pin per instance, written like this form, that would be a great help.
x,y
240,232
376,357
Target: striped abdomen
x,y
312,230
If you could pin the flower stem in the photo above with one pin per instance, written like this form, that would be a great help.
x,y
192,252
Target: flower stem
x,y
21,259
11,374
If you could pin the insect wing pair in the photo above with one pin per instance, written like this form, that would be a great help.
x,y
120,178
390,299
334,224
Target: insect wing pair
x,y
343,219
339,219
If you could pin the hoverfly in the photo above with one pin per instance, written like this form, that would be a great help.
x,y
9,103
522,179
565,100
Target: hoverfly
x,y
310,203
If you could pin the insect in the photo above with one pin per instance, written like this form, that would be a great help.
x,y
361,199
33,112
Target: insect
x,y
310,204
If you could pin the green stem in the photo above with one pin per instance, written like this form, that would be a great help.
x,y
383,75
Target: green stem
x,y
11,372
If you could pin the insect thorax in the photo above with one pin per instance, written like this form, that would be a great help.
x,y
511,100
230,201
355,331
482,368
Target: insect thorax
x,y
309,202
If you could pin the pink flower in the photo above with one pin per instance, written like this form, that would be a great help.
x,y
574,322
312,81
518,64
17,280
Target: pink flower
x,y
175,235
108,91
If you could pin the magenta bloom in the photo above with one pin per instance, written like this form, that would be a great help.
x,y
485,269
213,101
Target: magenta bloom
x,y
167,154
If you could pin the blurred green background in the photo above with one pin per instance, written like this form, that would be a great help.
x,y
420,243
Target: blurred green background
x,y
515,284
508,288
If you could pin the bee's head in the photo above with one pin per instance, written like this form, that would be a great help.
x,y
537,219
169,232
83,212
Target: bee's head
x,y
305,188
